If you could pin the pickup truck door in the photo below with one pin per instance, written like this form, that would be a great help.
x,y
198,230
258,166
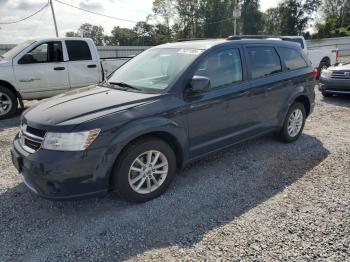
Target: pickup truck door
x,y
83,64
41,72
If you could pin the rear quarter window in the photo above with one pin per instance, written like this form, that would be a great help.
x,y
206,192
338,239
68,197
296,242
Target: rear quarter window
x,y
292,58
78,50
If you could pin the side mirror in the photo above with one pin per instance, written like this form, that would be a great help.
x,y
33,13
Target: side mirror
x,y
27,59
199,84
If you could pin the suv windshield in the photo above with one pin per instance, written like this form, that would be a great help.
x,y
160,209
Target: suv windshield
x,y
14,51
155,69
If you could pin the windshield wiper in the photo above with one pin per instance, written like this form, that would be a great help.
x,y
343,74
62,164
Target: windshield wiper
x,y
123,84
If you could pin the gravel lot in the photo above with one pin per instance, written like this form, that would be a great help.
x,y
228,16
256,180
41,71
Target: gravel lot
x,y
261,201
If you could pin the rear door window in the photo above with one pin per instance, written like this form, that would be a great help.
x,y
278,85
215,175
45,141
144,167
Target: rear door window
x,y
292,58
222,68
78,50
264,61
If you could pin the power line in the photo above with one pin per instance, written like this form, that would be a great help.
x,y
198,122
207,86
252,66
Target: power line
x,y
25,18
92,12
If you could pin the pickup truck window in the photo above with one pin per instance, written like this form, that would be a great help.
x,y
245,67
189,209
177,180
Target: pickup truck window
x,y
222,68
78,50
292,58
155,69
264,61
44,53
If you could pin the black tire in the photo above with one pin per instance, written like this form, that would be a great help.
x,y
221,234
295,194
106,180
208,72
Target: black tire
x,y
8,95
284,134
325,94
120,174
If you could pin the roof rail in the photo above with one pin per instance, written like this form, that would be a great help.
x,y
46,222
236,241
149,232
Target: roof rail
x,y
192,39
240,37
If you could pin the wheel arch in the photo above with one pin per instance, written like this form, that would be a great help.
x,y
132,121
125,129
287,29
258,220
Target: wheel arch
x,y
303,99
11,87
325,59
163,129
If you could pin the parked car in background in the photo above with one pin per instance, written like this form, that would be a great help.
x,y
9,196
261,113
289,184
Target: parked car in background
x,y
43,68
321,58
335,80
166,107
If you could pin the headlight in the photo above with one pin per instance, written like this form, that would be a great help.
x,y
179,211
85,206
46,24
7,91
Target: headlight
x,y
77,141
326,73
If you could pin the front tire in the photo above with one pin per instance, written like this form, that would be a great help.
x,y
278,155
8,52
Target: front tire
x,y
294,123
8,103
144,170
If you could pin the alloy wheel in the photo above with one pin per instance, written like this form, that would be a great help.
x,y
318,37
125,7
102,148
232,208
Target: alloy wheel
x,y
148,172
295,122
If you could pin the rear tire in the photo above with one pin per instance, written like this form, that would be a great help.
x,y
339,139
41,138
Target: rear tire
x,y
144,170
293,124
8,103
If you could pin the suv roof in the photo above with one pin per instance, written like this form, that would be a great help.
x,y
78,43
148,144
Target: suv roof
x,y
208,43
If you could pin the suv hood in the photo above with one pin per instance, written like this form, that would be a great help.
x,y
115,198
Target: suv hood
x,y
84,104
345,67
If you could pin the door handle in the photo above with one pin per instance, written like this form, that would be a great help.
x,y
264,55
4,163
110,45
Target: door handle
x,y
91,66
59,68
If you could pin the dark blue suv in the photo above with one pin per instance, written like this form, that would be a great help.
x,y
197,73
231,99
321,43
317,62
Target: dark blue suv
x,y
164,108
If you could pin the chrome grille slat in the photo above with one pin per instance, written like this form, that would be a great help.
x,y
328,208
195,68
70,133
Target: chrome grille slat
x,y
30,142
341,75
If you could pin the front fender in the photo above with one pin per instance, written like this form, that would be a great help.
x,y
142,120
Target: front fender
x,y
129,132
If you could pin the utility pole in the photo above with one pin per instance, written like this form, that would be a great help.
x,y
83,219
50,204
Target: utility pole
x,y
54,17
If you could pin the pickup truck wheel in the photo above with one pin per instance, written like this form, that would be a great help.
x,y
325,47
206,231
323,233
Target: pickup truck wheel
x,y
144,170
294,123
8,103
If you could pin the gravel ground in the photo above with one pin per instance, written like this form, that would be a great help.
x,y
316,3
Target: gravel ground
x,y
261,201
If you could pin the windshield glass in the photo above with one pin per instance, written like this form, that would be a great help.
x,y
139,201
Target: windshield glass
x,y
14,51
155,69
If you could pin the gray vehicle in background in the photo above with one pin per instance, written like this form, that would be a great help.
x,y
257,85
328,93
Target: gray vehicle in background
x,y
335,80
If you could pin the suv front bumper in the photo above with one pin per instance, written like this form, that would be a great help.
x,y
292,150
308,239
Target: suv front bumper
x,y
61,175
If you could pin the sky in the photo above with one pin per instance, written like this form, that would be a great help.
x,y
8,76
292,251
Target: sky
x,y
69,19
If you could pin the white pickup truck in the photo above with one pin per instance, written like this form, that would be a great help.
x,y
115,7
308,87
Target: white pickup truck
x,y
43,68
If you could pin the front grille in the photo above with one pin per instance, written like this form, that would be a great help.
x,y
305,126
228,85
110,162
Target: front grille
x,y
341,75
31,138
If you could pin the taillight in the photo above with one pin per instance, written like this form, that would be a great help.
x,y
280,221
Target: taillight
x,y
337,55
315,73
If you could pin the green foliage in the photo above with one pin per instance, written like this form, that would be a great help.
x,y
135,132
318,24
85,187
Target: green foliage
x,y
252,18
91,31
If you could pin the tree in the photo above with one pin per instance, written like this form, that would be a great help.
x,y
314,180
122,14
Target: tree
x,y
122,36
72,34
251,18
295,15
166,10
95,32
338,10
146,34
272,22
